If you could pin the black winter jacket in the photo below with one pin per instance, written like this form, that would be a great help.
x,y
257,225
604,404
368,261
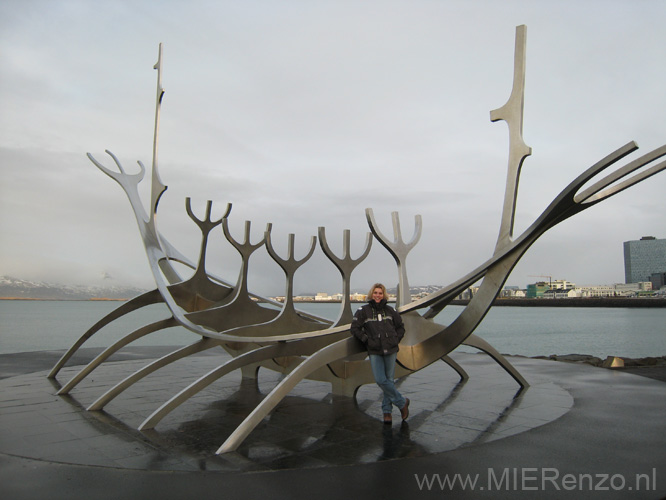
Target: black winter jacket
x,y
379,327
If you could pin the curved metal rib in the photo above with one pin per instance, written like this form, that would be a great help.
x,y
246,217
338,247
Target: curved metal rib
x,y
127,339
338,350
145,299
255,356
594,194
478,343
434,346
453,364
123,385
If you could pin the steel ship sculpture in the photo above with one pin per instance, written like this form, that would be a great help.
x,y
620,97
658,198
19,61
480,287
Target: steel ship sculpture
x,y
301,345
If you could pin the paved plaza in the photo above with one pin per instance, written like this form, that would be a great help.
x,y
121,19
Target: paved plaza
x,y
575,420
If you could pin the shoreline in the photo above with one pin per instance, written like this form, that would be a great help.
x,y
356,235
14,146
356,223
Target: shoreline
x,y
653,367
18,363
92,299
609,362
598,302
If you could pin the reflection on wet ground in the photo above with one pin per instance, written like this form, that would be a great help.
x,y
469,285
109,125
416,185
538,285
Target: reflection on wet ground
x,y
309,428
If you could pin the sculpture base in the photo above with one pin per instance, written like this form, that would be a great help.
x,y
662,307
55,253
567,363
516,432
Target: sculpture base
x,y
51,447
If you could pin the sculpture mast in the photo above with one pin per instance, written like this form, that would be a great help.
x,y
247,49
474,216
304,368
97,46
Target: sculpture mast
x,y
512,114
158,187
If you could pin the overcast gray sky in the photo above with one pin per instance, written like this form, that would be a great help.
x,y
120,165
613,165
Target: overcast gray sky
x,y
304,113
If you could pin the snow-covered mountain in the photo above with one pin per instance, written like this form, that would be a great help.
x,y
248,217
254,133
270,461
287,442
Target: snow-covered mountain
x,y
24,289
417,290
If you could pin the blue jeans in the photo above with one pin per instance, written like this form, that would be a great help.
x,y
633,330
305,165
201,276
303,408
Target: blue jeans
x,y
383,369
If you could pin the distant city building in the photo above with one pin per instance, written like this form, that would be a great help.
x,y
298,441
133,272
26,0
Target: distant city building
x,y
468,294
616,290
536,290
561,284
597,291
658,280
552,289
643,258
561,293
631,289
510,291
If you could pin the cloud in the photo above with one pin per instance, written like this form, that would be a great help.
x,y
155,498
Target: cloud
x,y
303,114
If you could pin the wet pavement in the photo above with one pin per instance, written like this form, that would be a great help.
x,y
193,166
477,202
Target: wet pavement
x,y
573,419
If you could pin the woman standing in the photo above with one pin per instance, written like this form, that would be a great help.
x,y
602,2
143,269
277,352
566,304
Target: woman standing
x,y
380,328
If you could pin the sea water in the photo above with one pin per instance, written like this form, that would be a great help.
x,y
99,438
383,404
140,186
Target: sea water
x,y
27,325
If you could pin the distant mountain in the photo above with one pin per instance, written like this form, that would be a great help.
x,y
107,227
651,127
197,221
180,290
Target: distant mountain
x,y
416,290
23,289
413,290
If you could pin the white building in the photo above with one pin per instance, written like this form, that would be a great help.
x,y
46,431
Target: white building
x,y
561,293
628,289
561,285
597,291
615,290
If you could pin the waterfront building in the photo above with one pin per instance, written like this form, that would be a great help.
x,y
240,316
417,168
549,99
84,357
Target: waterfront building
x,y
561,293
658,280
597,291
512,291
468,294
419,295
644,257
632,289
561,284
303,298
536,290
